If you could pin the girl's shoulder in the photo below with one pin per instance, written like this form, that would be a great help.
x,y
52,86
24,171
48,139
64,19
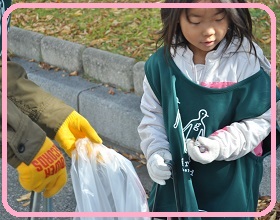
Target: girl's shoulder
x,y
243,46
243,60
160,58
159,54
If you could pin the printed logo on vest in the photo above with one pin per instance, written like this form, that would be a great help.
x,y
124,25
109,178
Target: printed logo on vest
x,y
193,129
196,127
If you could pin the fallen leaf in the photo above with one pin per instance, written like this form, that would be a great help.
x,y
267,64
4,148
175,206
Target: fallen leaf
x,y
139,166
273,217
265,41
75,73
66,30
108,31
45,66
24,197
26,203
143,161
96,42
49,17
115,23
111,91
78,13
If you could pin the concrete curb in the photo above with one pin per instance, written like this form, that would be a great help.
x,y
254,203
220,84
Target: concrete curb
x,y
63,54
109,68
103,66
115,117
25,44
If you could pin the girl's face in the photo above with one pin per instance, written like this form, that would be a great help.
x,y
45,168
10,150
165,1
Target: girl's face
x,y
203,28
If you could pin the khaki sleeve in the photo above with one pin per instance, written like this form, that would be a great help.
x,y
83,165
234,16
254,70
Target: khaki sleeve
x,y
43,108
24,137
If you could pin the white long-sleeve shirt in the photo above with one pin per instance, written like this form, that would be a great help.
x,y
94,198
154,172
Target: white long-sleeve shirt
x,y
221,69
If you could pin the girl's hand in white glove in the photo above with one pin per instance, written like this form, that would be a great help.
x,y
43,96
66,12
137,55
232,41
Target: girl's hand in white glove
x,y
157,166
204,150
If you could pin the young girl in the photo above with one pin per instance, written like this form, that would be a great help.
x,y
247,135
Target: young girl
x,y
206,105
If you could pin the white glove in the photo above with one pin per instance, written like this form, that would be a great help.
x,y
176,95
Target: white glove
x,y
158,170
204,150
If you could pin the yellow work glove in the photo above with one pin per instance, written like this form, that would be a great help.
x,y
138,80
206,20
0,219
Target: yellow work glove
x,y
46,172
73,128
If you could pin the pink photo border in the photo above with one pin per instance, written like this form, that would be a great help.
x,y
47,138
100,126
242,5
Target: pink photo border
x,y
139,214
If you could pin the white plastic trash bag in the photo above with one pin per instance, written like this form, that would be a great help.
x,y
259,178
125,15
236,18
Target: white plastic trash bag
x,y
105,181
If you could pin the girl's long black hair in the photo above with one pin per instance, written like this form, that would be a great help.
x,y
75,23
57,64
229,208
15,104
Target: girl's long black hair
x,y
240,25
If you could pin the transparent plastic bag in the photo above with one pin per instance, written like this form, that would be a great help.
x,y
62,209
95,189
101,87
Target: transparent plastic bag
x,y
105,181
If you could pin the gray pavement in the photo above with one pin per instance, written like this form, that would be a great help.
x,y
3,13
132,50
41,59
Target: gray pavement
x,y
114,116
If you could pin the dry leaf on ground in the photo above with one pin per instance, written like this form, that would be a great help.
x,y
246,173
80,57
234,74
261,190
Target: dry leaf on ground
x,y
24,197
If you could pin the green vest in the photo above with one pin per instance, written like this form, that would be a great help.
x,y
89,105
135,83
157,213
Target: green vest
x,y
189,111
